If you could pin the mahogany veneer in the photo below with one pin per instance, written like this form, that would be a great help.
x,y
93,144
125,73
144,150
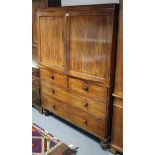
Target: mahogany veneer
x,y
77,49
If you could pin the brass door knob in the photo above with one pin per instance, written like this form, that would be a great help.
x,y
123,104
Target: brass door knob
x,y
85,121
85,104
85,88
52,77
54,106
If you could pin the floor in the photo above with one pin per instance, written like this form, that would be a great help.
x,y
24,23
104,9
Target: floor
x,y
69,134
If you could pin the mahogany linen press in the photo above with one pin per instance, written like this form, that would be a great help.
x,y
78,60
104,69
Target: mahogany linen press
x,y
77,52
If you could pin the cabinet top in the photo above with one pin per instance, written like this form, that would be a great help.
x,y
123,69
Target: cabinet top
x,y
98,7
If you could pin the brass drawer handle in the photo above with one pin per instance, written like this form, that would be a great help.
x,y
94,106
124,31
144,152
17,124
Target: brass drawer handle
x,y
85,122
85,104
54,106
52,77
52,90
66,14
85,88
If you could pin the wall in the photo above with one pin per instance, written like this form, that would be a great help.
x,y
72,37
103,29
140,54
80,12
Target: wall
x,y
86,2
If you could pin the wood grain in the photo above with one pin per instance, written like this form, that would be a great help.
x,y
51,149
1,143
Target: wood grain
x,y
54,91
117,125
90,37
52,42
95,90
78,46
93,107
36,89
36,4
53,77
35,72
75,116
35,81
117,130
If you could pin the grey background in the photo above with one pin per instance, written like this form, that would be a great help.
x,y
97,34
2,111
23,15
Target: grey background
x,y
86,2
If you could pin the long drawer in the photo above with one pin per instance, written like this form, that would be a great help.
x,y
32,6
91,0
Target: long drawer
x,y
53,77
74,115
88,88
94,107
54,91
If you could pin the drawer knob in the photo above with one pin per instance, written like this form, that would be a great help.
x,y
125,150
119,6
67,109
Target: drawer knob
x,y
52,77
85,88
85,121
52,90
66,14
85,104
54,106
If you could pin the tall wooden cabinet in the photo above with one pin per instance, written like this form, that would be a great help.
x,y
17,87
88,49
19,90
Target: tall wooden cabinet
x,y
77,48
117,126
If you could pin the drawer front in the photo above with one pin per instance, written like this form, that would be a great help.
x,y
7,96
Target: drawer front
x,y
75,116
36,101
54,91
88,88
35,72
94,107
53,77
35,91
35,81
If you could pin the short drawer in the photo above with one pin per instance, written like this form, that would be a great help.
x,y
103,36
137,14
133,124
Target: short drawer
x,y
53,77
35,72
54,91
35,81
92,106
74,115
88,88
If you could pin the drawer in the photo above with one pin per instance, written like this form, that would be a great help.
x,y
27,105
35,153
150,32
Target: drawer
x,y
35,72
35,90
88,88
74,115
36,101
35,81
53,77
94,107
54,91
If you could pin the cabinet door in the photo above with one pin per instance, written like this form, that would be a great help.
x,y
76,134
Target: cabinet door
x,y
90,39
51,29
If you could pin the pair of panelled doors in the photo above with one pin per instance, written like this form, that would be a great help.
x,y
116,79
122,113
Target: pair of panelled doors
x,y
77,43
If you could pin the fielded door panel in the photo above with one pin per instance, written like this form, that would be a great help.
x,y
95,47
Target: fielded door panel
x,y
52,51
90,39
